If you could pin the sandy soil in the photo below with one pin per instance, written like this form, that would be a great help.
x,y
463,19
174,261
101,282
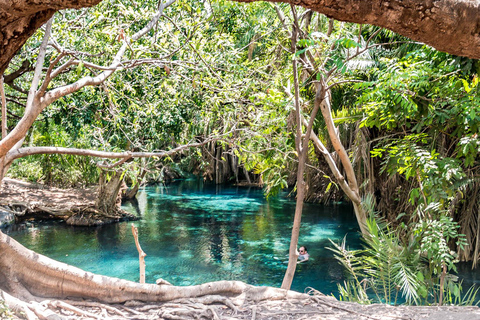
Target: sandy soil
x,y
16,191
315,307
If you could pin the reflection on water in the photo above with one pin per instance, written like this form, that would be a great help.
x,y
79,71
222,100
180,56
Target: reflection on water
x,y
194,233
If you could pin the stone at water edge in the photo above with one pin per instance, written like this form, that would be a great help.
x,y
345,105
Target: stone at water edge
x,y
6,218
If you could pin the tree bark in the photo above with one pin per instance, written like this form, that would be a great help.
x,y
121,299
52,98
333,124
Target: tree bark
x,y
108,192
353,190
301,144
4,108
130,193
141,254
20,19
451,26
351,194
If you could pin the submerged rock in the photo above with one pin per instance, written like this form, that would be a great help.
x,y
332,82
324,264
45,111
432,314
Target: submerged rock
x,y
6,218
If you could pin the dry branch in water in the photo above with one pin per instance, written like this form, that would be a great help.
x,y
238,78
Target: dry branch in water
x,y
141,254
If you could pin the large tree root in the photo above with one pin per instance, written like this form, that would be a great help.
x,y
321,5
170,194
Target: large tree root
x,y
36,287
32,277
310,307
25,273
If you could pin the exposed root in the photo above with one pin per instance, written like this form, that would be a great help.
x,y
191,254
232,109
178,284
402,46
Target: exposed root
x,y
254,312
17,306
314,307
339,306
90,216
97,305
29,311
79,215
211,299
60,305
75,206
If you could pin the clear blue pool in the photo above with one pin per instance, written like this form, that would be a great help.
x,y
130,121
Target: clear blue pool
x,y
194,233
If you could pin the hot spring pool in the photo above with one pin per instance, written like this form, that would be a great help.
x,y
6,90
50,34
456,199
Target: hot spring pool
x,y
194,233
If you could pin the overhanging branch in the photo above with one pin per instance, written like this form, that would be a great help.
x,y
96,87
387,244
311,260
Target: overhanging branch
x,y
29,151
447,25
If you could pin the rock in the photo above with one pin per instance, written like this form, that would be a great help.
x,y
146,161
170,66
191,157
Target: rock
x,y
6,218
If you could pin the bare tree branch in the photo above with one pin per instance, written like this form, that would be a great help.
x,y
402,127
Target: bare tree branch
x,y
28,151
48,74
26,66
90,81
39,66
16,137
38,101
4,109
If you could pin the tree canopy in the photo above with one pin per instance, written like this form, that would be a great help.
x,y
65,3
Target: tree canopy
x,y
358,112
448,25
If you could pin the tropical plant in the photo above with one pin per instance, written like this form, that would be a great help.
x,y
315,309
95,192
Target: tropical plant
x,y
425,105
385,267
390,270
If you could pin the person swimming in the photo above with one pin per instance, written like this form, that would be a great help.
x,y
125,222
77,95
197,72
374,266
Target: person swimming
x,y
303,254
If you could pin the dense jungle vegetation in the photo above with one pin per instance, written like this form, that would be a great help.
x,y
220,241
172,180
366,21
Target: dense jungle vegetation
x,y
407,116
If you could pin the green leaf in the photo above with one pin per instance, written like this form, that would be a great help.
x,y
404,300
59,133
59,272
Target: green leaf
x,y
422,291
420,276
466,86
328,187
79,68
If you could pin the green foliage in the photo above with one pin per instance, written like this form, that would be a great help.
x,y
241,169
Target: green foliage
x,y
436,177
204,87
384,267
427,93
388,269
5,312
454,294
354,289
427,101
433,232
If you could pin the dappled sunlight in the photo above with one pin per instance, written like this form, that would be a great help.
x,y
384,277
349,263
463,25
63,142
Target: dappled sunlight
x,y
195,233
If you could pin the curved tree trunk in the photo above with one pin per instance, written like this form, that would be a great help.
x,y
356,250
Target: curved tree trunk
x,y
353,190
20,19
41,277
108,197
130,193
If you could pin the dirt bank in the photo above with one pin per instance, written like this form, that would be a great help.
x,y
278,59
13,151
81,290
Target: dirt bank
x,y
30,201
313,307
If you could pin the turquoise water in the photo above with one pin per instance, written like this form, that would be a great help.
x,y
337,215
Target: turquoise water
x,y
194,233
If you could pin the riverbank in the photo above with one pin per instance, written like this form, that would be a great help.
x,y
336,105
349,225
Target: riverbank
x,y
20,201
315,306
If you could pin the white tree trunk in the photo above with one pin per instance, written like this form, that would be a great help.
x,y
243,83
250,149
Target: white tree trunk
x,y
43,277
